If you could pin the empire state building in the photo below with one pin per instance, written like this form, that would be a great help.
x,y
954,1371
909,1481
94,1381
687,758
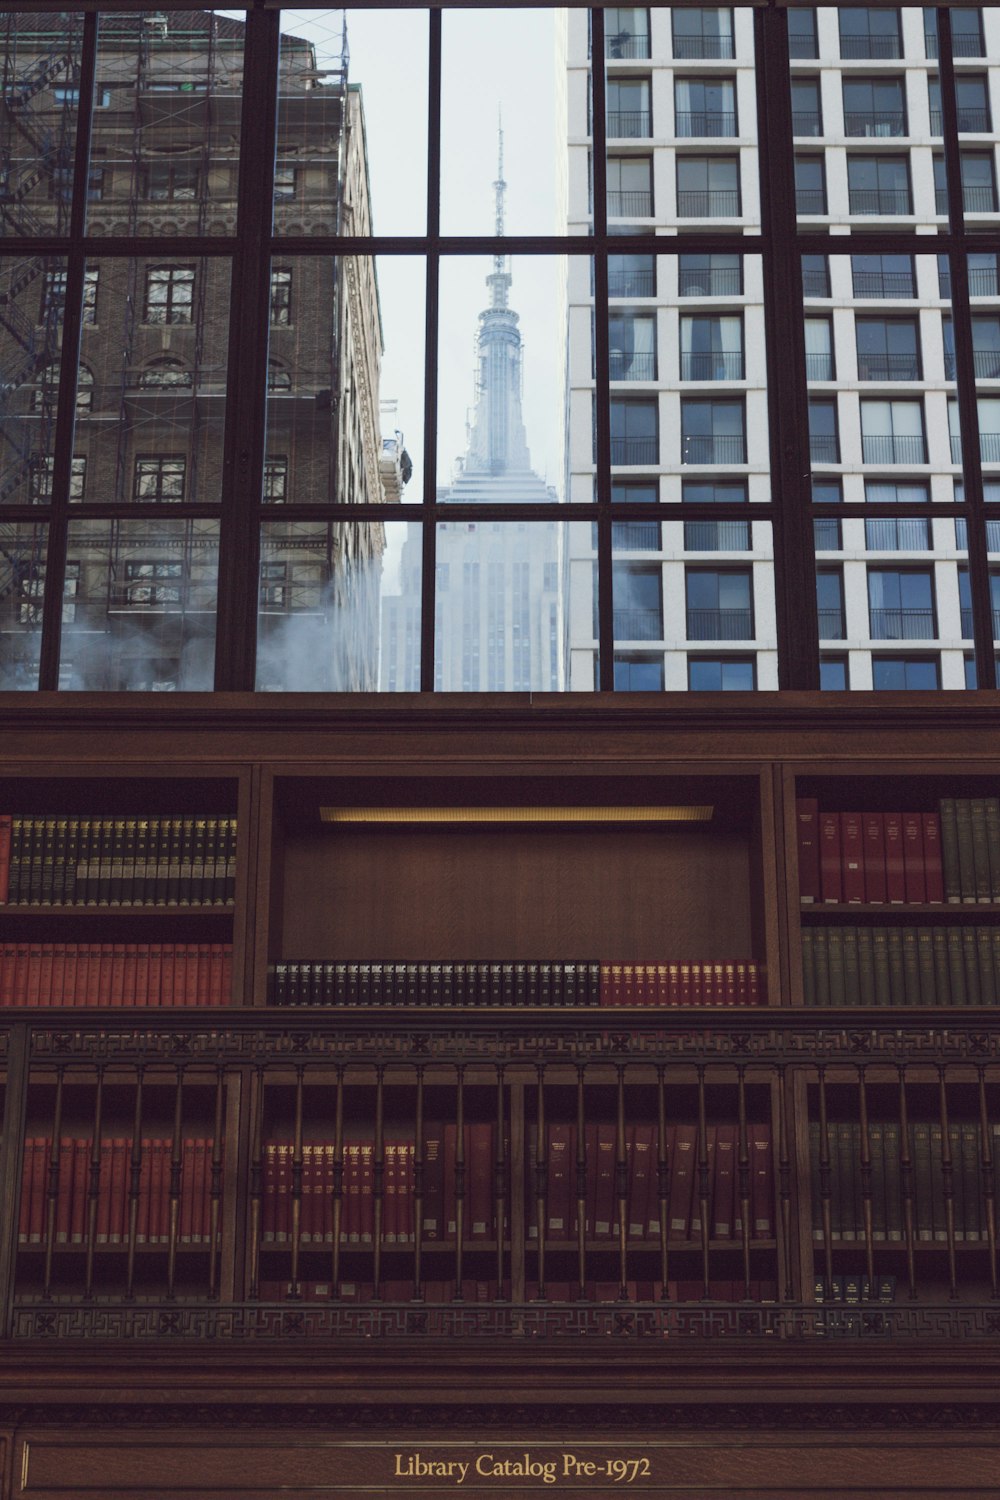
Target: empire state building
x,y
498,612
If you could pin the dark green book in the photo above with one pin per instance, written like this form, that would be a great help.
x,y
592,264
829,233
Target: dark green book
x,y
920,1150
847,1178
957,1180
993,844
814,1181
893,1182
911,965
942,977
198,880
852,987
925,966
940,1231
39,828
970,955
16,858
876,1144
966,854
949,850
116,869
995,946
49,860
974,1219
897,978
956,966
980,849
866,967
984,948
822,965
66,878
835,959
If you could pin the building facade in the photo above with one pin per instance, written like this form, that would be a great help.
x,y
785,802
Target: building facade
x,y
694,599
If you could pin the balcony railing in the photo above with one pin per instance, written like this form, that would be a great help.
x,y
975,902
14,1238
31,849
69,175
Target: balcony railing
x,y
632,366
986,363
967,630
970,121
629,124
631,203
716,536
963,44
883,122
802,46
624,45
712,281
879,201
704,46
888,367
815,283
826,534
824,448
989,448
831,625
883,284
870,46
634,450
901,624
983,282
635,536
893,448
727,449
708,203
704,123
807,122
632,283
810,200
819,367
890,535
716,364
638,625
720,625
975,200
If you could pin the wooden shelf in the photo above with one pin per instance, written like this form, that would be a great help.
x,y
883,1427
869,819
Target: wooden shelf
x,y
901,909
171,913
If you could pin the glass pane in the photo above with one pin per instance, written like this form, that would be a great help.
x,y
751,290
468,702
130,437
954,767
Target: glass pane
x,y
141,616
513,115
322,605
22,586
498,624
501,424
166,124
151,401
32,296
41,86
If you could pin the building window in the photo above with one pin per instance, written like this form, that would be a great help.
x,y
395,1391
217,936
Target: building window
x,y
278,378
166,374
708,187
874,106
45,393
626,32
159,479
704,107
972,99
637,597
888,348
631,276
171,181
979,194
985,347
632,346
869,32
891,534
149,585
721,674
634,432
824,440
630,187
281,298
807,110
901,605
966,32
826,529
710,276
815,276
912,673
276,480
833,674
715,536
169,294
878,185
719,604
705,32
284,182
713,432
43,477
810,185
892,432
819,349
635,673
628,112
883,276
830,604
802,39
54,296
712,347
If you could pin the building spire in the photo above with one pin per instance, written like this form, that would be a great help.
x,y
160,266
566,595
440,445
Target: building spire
x,y
499,282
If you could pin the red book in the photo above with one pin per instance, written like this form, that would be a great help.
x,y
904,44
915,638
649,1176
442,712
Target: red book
x,y
724,1183
227,974
807,823
129,981
914,881
5,827
682,1170
366,1195
707,977
479,1184
155,993
933,869
79,1197
115,993
152,1176
99,974
215,968
831,879
22,956
34,974
204,974
268,1192
755,987
141,990
873,840
7,966
187,1192
404,1196
432,1206
641,1166
57,991
560,1224
605,1204
45,966
199,1184
64,1196
117,1215
168,973
40,1172
190,991
652,1209
895,878
104,1194
76,986
697,985
24,1214
350,1229
761,1183
142,1234
852,857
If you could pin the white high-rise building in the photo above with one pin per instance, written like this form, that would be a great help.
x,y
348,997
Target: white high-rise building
x,y
694,599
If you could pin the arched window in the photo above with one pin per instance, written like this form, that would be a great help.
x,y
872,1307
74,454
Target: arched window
x,y
169,373
278,378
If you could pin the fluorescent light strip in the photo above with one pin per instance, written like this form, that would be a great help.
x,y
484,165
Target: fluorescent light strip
x,y
516,814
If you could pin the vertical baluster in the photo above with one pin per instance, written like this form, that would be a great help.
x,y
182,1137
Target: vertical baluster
x,y
663,1178
581,1185
53,1193
948,1182
459,1178
134,1178
418,1190
256,1184
825,1187
295,1292
378,1180
866,1180
988,1183
906,1181
500,1178
785,1185
743,1168
621,1187
94,1187
541,1178
215,1191
176,1186
704,1187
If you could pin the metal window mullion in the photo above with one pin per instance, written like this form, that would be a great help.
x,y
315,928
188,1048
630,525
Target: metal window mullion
x,y
245,424
602,359
428,566
787,399
69,362
965,373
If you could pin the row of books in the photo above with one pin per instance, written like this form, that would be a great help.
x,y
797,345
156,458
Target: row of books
x,y
66,861
72,1188
489,1290
854,1289
681,1180
484,983
115,973
926,1154
869,857
900,965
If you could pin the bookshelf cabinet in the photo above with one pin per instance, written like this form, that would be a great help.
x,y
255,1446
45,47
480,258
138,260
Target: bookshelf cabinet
x,y
553,1203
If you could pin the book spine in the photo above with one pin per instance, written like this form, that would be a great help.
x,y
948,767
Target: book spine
x,y
866,966
980,849
807,820
949,850
852,857
914,880
966,849
5,843
873,839
830,866
993,844
933,869
895,875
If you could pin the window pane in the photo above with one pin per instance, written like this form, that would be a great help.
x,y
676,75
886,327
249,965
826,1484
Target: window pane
x,y
38,122
22,571
32,296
